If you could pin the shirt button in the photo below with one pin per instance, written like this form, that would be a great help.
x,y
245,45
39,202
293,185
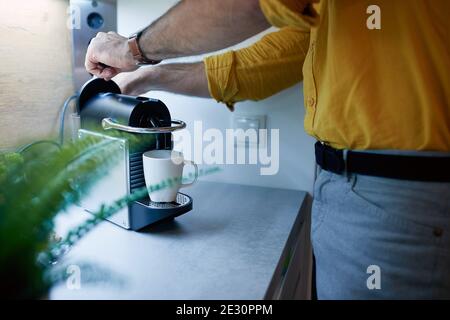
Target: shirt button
x,y
437,232
312,102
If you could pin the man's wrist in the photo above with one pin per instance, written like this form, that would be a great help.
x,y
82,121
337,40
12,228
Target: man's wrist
x,y
154,77
149,77
137,52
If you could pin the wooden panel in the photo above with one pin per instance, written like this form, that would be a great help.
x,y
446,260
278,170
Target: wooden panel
x,y
35,68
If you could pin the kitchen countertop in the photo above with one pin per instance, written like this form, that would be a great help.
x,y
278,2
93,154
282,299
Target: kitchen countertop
x,y
227,247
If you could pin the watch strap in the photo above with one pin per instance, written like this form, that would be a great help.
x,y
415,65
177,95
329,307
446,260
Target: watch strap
x,y
135,49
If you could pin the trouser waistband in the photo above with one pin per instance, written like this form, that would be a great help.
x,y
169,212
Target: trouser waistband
x,y
417,167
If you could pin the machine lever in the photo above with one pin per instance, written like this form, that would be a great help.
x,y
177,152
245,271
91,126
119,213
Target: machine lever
x,y
108,124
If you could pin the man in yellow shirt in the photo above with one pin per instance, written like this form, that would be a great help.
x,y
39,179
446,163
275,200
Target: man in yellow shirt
x,y
376,86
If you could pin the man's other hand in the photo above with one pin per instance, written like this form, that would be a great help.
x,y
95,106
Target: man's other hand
x,y
108,54
135,83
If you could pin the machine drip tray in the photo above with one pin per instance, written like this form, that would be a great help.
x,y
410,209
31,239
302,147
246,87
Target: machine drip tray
x,y
145,212
182,200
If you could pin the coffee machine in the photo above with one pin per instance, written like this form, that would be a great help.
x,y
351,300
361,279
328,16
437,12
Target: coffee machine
x,y
103,110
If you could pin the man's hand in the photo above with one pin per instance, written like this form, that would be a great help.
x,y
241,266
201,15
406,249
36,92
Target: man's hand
x,y
137,82
108,54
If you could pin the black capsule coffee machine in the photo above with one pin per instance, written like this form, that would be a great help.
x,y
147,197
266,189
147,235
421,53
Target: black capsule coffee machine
x,y
104,110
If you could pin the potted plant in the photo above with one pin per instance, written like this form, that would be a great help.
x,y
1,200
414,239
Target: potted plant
x,y
35,186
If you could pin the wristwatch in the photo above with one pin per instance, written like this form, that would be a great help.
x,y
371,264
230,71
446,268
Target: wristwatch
x,y
133,44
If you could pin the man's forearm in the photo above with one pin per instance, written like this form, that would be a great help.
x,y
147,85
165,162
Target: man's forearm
x,y
198,26
182,78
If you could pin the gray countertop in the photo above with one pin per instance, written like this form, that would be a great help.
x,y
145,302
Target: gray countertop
x,y
227,247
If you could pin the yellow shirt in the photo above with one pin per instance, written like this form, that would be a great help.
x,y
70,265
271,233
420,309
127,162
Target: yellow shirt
x,y
384,88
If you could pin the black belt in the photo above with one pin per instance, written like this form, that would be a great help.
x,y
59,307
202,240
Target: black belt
x,y
405,167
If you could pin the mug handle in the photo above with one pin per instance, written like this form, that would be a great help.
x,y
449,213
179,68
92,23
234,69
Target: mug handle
x,y
184,185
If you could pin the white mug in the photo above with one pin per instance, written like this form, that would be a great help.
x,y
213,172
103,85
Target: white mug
x,y
163,169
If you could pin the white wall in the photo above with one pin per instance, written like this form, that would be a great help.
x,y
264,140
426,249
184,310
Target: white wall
x,y
284,111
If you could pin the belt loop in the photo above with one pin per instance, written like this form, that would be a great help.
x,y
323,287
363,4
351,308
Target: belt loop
x,y
344,157
319,153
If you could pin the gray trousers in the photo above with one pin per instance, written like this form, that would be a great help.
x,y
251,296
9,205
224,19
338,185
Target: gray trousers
x,y
379,238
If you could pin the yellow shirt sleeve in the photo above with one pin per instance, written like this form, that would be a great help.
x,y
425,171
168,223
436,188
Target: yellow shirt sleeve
x,y
297,13
270,65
